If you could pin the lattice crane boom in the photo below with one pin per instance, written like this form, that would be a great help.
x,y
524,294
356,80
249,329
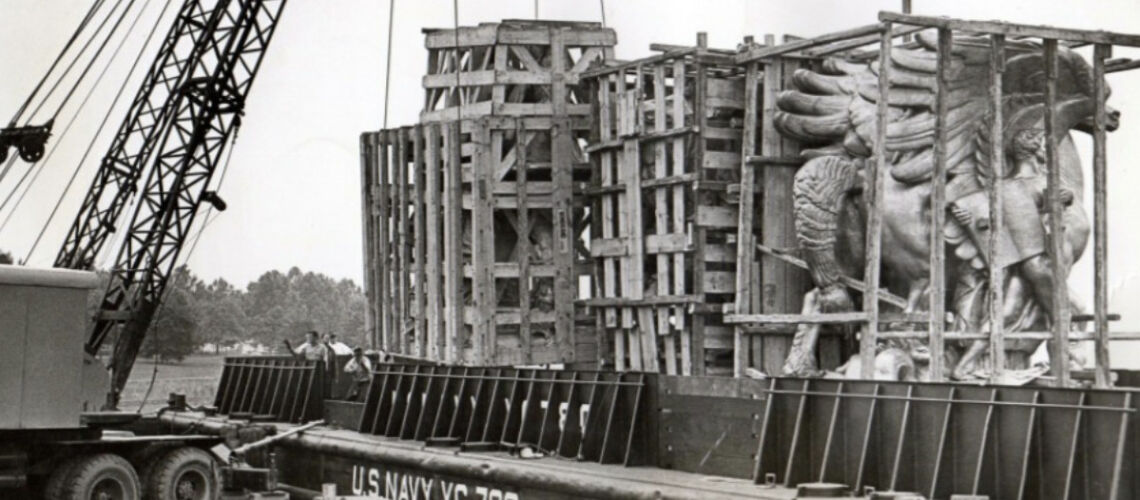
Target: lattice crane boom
x,y
186,112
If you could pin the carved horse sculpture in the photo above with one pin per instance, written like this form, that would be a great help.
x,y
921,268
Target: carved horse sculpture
x,y
833,113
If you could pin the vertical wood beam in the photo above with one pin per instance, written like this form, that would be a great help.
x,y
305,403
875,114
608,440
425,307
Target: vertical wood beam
x,y
745,238
400,232
523,242
938,208
1058,353
385,255
1101,52
419,299
997,210
367,150
453,243
661,213
692,334
481,232
561,139
432,235
874,189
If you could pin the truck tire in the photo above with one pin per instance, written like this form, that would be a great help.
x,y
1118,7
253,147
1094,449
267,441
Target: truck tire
x,y
185,473
57,480
104,475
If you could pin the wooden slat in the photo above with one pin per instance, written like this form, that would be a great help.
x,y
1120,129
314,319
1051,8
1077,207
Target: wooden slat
x,y
1101,53
661,217
1058,354
937,306
876,179
1014,30
481,232
385,254
997,210
420,251
453,245
524,249
432,202
367,150
745,238
403,236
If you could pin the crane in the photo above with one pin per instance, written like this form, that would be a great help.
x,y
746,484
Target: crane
x,y
167,149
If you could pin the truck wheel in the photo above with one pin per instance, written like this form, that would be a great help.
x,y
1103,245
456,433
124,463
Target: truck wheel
x,y
57,480
104,476
183,474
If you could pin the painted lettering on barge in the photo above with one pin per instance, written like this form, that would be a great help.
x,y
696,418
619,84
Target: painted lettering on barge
x,y
396,485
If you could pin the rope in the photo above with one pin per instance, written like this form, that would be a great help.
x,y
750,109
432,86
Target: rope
x,y
98,131
82,25
189,252
71,65
388,60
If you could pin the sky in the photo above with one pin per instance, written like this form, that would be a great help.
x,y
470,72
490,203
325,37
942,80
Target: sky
x,y
293,185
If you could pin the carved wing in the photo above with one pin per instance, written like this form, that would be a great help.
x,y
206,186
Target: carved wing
x,y
833,110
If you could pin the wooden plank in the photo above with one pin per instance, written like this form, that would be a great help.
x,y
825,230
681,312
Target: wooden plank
x,y
432,202
382,236
481,232
875,185
403,237
745,237
561,140
1014,30
609,266
1101,53
690,333
937,306
997,210
523,247
453,244
796,319
777,281
716,217
772,50
420,251
367,150
1058,354
661,218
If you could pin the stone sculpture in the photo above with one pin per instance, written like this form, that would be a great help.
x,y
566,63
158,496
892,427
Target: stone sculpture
x,y
833,114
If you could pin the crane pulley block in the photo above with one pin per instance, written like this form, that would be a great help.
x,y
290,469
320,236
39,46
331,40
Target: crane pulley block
x,y
29,141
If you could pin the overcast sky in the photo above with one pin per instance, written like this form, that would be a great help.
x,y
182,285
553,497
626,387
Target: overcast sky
x,y
293,188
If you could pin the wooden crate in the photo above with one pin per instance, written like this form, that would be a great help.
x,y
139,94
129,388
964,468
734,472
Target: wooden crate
x,y
451,276
511,68
666,146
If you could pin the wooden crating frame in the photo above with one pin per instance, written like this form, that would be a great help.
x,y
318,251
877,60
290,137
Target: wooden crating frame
x,y
477,244
511,68
665,149
763,61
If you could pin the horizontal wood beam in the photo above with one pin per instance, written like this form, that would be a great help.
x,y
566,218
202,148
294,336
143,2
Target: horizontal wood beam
x,y
1013,30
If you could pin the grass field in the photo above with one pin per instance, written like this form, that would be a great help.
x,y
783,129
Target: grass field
x,y
196,377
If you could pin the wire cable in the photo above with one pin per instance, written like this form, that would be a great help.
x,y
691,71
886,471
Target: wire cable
x,y
74,36
602,5
388,60
106,116
71,65
91,63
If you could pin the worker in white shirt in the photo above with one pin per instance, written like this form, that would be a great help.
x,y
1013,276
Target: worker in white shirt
x,y
360,368
339,348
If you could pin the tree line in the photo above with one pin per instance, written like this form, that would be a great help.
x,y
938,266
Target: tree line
x,y
271,308
275,306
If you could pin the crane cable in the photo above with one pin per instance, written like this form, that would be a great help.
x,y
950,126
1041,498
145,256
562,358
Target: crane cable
x,y
388,60
602,6
74,36
86,45
82,50
19,112
102,124
172,285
